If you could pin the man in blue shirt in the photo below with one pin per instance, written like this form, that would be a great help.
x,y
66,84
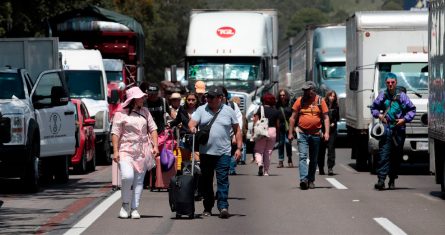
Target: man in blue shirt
x,y
215,155
394,109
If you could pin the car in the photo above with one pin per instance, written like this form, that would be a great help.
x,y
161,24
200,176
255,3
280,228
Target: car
x,y
84,159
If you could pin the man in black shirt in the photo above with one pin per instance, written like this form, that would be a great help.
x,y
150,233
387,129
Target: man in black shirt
x,y
157,106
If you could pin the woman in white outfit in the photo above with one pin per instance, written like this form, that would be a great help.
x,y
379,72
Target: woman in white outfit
x,y
134,134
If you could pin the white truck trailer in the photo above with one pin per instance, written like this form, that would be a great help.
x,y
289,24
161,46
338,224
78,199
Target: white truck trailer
x,y
37,127
317,54
368,35
436,81
237,49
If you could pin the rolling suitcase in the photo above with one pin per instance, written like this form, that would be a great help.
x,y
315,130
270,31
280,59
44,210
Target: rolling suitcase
x,y
181,192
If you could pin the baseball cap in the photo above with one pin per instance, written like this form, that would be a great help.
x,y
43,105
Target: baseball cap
x,y
152,88
215,91
390,76
309,85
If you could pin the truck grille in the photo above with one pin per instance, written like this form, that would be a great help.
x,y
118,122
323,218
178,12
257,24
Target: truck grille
x,y
417,121
242,105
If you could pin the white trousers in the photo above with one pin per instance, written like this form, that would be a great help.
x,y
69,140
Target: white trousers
x,y
130,177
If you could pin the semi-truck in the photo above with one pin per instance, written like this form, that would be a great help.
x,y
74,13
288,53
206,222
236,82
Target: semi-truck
x,y
378,42
317,54
234,48
115,35
37,127
436,81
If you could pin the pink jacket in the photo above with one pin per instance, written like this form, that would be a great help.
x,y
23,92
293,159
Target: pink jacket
x,y
133,131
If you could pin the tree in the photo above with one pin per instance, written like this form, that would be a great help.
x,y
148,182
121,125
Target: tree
x,y
304,17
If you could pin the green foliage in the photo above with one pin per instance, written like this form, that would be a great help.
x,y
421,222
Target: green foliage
x,y
392,5
305,17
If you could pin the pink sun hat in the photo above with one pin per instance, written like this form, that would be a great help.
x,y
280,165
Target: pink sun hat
x,y
133,93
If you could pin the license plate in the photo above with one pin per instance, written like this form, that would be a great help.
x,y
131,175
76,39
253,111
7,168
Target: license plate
x,y
422,145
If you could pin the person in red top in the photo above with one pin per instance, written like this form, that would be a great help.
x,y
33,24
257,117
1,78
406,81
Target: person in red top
x,y
308,112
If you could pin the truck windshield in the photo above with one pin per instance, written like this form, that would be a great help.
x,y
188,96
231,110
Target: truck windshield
x,y
412,76
85,84
11,85
233,73
114,76
331,71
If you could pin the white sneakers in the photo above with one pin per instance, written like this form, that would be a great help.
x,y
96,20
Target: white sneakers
x,y
135,214
123,213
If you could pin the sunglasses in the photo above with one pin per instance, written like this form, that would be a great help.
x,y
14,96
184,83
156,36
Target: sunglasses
x,y
390,82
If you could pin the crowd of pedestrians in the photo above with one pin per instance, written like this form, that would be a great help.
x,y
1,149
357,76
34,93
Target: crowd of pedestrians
x,y
310,119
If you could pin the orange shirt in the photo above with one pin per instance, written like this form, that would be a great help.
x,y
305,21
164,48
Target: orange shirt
x,y
308,113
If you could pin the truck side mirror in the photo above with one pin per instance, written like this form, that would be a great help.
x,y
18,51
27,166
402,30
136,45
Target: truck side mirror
x,y
353,80
114,96
58,96
173,77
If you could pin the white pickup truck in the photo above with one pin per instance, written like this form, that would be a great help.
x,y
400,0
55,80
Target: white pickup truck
x,y
37,127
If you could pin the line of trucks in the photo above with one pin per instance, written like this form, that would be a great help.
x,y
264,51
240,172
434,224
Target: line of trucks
x,y
41,75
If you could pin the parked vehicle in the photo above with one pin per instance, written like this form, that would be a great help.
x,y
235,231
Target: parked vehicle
x,y
84,159
237,49
87,80
368,35
115,35
116,75
36,118
436,112
317,54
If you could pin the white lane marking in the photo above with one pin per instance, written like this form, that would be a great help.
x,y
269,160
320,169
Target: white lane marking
x,y
430,198
389,226
89,219
336,184
348,168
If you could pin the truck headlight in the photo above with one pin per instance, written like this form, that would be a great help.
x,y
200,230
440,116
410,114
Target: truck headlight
x,y
17,130
99,117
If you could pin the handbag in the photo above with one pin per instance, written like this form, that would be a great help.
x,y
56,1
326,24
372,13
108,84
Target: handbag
x,y
261,127
202,136
167,158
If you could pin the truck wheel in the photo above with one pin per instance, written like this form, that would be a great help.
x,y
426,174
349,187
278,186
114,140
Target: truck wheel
x,y
104,152
31,174
81,167
61,169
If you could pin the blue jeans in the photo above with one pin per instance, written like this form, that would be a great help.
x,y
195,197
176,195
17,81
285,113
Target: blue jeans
x,y
220,165
283,142
308,146
391,147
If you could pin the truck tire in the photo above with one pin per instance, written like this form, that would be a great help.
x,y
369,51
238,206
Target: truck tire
x,y
61,174
105,153
31,174
81,167
442,184
362,155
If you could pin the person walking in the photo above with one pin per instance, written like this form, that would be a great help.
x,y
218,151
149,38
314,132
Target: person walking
x,y
334,116
182,119
308,112
134,138
264,145
397,110
174,103
215,155
158,107
285,112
